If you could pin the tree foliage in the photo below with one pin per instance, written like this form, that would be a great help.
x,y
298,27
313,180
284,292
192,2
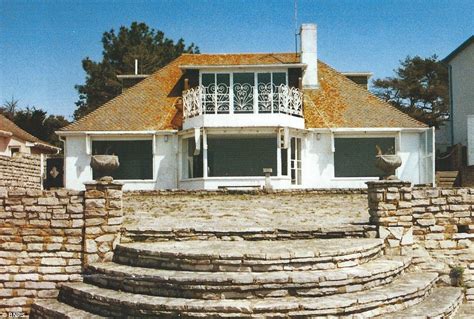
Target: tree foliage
x,y
9,108
35,121
149,46
419,88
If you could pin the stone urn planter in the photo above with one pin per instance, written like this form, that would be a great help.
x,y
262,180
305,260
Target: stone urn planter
x,y
104,165
388,164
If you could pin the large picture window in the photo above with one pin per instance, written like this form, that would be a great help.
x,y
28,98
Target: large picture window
x,y
355,157
135,157
238,156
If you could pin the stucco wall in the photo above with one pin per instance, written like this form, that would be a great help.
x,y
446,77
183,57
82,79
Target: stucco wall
x,y
317,164
78,170
318,161
462,86
470,140
7,142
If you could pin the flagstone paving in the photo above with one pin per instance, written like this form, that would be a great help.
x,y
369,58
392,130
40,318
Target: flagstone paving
x,y
223,212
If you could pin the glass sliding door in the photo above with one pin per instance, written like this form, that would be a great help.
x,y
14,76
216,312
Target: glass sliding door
x,y
295,161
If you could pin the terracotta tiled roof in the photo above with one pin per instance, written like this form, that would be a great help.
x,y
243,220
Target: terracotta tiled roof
x,y
149,105
339,102
8,126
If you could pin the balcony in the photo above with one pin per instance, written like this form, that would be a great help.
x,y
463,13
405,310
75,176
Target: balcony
x,y
242,105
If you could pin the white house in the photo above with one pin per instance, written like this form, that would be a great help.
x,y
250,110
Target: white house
x,y
461,88
207,121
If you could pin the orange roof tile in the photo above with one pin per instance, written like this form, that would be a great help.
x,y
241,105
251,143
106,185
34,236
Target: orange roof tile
x,y
149,105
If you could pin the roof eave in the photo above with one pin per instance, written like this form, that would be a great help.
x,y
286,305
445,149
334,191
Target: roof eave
x,y
456,51
242,66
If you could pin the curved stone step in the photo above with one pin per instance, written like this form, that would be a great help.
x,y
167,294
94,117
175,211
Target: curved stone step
x,y
53,309
242,285
152,233
441,303
404,291
257,256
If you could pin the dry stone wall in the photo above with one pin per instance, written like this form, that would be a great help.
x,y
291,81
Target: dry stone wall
x,y
42,240
437,222
20,170
103,217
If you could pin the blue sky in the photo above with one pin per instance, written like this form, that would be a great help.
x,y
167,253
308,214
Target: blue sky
x,y
43,42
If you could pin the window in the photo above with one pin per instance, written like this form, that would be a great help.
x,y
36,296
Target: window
x,y
355,157
14,150
135,157
243,92
237,156
194,163
216,92
268,85
284,162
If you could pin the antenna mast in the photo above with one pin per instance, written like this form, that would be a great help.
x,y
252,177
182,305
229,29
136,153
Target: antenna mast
x,y
296,26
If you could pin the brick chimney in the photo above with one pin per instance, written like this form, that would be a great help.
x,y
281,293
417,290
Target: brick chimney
x,y
309,55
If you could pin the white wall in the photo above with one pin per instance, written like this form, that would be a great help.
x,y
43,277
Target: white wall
x,y
470,140
78,170
76,163
317,164
462,86
410,152
6,143
318,161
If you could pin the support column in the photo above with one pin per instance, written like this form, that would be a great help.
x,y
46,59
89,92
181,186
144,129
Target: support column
x,y
279,153
204,153
390,209
103,218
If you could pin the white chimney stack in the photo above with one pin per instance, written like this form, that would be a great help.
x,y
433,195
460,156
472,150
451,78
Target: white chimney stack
x,y
309,55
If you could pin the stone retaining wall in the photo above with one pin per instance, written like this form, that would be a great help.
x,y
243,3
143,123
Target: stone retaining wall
x,y
443,218
224,191
42,239
438,221
21,170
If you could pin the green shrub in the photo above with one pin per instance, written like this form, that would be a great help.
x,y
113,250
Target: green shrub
x,y
456,274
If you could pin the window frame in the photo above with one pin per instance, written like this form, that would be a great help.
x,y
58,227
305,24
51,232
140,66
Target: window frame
x,y
362,134
128,139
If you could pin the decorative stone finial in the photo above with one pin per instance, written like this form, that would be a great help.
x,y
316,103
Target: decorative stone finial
x,y
104,165
388,163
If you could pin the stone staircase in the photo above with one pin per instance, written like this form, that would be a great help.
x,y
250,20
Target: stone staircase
x,y
297,278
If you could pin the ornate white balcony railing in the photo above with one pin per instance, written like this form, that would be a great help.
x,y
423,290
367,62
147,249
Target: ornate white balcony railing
x,y
242,98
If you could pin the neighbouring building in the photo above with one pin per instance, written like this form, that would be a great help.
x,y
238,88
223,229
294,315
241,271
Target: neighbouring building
x,y
13,140
461,88
208,121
